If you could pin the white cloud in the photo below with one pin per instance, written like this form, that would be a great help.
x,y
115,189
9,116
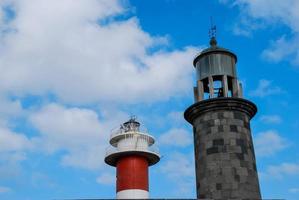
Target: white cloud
x,y
271,119
258,14
77,131
265,88
176,117
294,190
10,108
13,150
271,11
246,26
282,170
4,189
269,142
176,137
180,168
10,141
81,54
282,48
70,126
106,179
178,165
40,179
157,118
78,52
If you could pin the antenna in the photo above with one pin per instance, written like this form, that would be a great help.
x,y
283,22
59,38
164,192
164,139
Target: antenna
x,y
212,31
133,118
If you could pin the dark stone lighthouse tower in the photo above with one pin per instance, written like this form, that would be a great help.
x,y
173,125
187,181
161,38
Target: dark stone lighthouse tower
x,y
224,153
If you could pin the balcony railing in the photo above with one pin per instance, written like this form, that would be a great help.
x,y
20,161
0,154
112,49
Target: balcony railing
x,y
150,149
119,131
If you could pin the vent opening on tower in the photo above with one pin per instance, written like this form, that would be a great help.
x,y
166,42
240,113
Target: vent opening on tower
x,y
217,86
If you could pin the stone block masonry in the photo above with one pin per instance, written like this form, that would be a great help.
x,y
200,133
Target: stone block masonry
x,y
224,153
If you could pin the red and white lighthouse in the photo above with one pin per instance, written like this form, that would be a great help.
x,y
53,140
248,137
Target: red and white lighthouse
x,y
131,152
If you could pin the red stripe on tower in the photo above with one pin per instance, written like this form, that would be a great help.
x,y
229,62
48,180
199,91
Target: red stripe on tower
x,y
124,168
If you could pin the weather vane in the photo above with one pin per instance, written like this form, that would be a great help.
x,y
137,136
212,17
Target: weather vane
x,y
212,31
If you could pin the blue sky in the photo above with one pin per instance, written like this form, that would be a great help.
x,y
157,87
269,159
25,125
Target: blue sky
x,y
73,70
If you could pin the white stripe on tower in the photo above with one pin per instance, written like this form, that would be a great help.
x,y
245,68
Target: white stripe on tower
x,y
132,194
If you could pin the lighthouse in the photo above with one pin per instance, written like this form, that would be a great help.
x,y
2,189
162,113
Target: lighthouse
x,y
131,152
224,154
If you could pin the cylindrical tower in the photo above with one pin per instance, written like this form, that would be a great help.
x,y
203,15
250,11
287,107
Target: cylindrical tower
x,y
131,152
224,153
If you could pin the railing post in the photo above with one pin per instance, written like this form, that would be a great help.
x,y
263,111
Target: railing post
x,y
211,87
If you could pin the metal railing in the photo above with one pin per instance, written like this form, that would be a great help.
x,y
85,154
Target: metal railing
x,y
119,131
150,149
128,135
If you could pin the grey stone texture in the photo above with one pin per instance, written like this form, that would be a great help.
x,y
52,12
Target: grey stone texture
x,y
224,153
